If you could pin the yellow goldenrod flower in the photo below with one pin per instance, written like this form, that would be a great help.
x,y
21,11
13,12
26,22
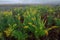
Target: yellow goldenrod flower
x,y
18,17
50,10
46,32
7,13
33,25
14,25
52,27
33,18
28,14
24,14
8,31
30,23
34,12
26,26
0,34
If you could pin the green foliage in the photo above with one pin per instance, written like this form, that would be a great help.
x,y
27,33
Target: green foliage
x,y
11,25
50,20
19,35
57,21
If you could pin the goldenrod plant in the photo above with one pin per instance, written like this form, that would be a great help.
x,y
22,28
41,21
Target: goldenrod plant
x,y
26,22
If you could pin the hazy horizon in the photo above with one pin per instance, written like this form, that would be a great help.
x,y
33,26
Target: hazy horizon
x,y
29,1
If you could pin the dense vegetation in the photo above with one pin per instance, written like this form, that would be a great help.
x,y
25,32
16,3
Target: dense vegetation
x,y
30,23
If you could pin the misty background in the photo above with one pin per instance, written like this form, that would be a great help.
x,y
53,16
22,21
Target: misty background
x,y
29,1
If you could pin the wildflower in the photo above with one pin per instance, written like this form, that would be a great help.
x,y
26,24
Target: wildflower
x,y
33,18
33,25
30,23
34,12
46,32
50,10
24,14
6,13
28,14
14,25
26,26
10,13
18,17
0,34
52,27
8,31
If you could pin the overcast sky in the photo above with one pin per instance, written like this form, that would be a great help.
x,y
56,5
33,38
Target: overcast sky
x,y
28,1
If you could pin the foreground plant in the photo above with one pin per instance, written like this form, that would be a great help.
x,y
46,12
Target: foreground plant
x,y
26,23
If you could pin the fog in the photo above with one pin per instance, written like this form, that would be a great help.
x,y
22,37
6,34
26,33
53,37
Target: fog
x,y
29,1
